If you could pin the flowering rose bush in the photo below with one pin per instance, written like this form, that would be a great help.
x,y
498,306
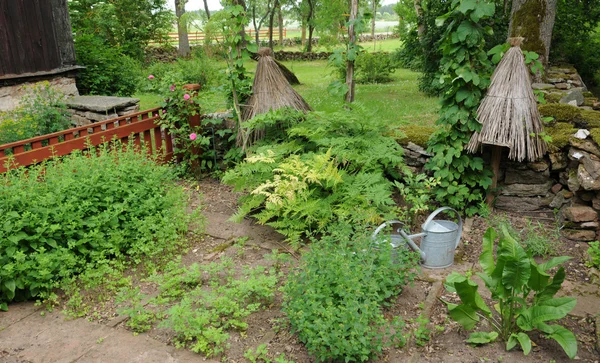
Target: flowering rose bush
x,y
179,106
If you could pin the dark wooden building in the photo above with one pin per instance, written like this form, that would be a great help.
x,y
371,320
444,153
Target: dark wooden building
x,y
35,40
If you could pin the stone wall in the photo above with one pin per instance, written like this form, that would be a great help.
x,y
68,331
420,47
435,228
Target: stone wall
x,y
566,182
11,95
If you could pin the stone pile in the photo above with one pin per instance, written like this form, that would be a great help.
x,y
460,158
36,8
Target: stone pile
x,y
564,85
89,109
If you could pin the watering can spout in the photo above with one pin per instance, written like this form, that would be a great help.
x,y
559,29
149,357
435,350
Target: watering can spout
x,y
412,244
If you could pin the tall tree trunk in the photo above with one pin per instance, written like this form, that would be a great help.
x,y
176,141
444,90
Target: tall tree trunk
x,y
256,27
184,43
373,21
280,23
271,22
533,20
420,19
309,22
350,63
206,9
303,33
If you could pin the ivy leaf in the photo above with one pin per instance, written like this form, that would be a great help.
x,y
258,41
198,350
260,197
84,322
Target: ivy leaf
x,y
465,29
462,94
467,5
483,10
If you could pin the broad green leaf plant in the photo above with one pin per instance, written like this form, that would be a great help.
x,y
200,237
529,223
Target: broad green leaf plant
x,y
465,71
523,292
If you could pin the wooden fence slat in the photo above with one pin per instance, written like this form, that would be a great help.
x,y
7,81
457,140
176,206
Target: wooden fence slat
x,y
66,147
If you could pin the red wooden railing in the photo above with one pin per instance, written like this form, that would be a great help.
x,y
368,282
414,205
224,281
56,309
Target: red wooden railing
x,y
140,126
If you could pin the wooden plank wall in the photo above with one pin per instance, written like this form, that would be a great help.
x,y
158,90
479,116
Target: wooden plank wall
x,y
28,37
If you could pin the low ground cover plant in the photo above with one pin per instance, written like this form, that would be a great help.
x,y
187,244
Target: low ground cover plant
x,y
594,252
41,111
334,298
71,215
512,276
201,304
306,175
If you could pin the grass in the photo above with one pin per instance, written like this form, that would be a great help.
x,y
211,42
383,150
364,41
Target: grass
x,y
398,102
387,45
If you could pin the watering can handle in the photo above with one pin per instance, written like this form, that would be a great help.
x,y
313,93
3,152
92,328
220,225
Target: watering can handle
x,y
383,225
440,210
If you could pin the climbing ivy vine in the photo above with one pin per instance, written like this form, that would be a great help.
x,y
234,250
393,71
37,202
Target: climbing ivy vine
x,y
464,75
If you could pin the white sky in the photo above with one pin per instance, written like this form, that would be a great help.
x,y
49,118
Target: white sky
x,y
216,4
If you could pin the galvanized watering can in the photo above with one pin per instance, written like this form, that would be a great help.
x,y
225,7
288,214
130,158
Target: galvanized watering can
x,y
439,239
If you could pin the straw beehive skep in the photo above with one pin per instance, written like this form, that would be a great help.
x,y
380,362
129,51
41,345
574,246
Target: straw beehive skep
x,y
270,91
509,113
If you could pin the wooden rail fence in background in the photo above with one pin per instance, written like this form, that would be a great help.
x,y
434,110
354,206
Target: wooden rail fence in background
x,y
140,126
196,38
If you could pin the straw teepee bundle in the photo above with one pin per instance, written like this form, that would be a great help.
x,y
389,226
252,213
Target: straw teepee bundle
x,y
270,90
509,111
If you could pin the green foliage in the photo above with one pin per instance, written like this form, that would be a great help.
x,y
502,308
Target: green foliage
x,y
465,71
578,45
417,191
326,169
203,317
334,298
108,71
594,252
177,109
71,215
536,238
511,277
422,333
261,354
368,68
41,111
127,24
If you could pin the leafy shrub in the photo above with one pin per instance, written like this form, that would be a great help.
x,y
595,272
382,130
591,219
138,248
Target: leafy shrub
x,y
66,216
324,169
108,71
374,68
334,298
594,252
511,278
41,111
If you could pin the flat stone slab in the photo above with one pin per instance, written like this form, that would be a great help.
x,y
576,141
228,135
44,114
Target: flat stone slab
x,y
101,103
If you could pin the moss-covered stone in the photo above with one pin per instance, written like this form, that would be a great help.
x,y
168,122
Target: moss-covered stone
x,y
560,112
553,97
560,133
595,133
591,118
589,101
417,134
588,94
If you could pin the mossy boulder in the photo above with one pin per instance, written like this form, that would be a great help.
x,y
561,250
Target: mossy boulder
x,y
417,134
590,119
560,112
589,101
588,94
560,133
553,97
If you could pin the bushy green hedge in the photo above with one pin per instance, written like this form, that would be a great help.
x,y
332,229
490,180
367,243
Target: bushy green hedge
x,y
108,70
334,298
69,215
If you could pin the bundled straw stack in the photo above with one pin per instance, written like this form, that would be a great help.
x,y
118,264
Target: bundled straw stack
x,y
270,90
509,111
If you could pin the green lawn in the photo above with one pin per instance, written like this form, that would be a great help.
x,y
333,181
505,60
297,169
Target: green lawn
x,y
398,102
388,45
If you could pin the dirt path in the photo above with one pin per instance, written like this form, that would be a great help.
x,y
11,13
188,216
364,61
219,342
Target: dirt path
x,y
27,336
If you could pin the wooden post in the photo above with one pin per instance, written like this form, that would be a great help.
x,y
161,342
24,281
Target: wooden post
x,y
495,163
350,63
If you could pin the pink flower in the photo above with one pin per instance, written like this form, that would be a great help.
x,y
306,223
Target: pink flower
x,y
172,88
164,111
193,136
151,76
156,115
186,97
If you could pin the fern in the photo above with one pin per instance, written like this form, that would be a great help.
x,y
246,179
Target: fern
x,y
330,168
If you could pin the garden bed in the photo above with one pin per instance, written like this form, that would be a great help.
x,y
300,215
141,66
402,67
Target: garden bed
x,y
268,331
